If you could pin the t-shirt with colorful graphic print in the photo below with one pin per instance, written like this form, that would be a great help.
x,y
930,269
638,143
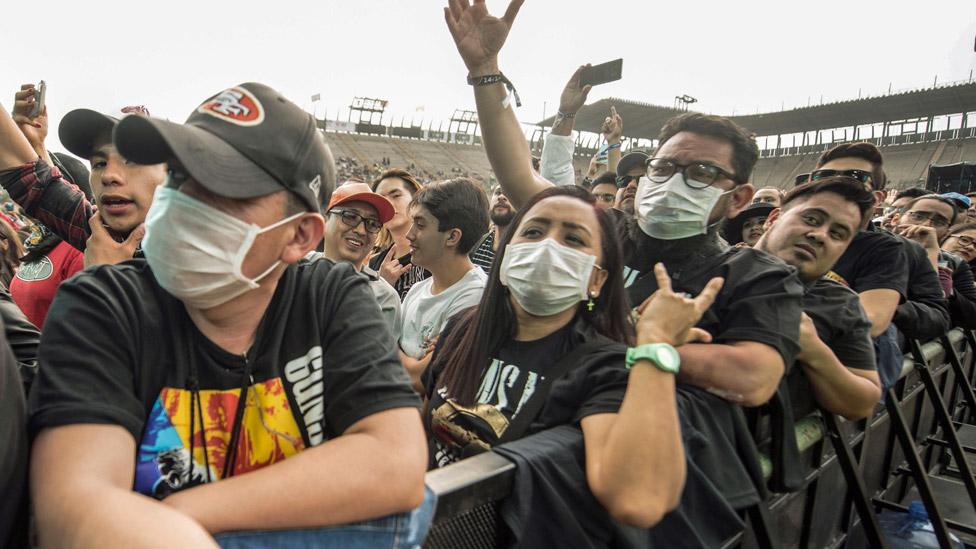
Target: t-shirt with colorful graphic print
x,y
121,350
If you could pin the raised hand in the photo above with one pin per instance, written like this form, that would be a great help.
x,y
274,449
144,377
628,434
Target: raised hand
x,y
390,268
574,97
34,129
613,127
478,35
669,317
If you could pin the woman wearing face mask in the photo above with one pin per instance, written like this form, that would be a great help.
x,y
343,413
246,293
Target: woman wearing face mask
x,y
546,347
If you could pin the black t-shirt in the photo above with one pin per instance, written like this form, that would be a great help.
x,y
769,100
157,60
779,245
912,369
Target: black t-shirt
x,y
406,281
118,349
874,260
13,441
843,326
760,300
509,382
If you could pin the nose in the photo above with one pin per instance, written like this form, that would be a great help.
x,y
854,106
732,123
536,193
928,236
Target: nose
x,y
113,173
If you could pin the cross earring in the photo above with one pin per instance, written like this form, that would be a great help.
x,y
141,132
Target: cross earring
x,y
589,305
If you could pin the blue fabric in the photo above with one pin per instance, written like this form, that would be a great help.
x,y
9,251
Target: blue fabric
x,y
399,531
890,358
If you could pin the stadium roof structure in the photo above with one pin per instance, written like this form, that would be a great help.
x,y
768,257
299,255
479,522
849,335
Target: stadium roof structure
x,y
643,120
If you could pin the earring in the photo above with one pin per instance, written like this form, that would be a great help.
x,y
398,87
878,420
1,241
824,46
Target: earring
x,y
589,305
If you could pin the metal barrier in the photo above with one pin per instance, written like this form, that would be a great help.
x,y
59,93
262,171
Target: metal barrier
x,y
867,466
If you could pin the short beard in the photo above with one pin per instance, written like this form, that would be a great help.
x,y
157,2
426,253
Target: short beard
x,y
502,220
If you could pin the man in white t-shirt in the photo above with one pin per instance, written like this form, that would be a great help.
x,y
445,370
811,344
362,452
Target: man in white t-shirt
x,y
449,218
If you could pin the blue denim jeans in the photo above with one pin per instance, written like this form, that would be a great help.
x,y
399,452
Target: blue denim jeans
x,y
400,531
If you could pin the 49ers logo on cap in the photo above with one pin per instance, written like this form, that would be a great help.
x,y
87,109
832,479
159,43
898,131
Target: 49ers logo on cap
x,y
236,105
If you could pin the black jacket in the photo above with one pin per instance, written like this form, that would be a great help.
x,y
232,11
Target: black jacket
x,y
962,302
925,313
22,336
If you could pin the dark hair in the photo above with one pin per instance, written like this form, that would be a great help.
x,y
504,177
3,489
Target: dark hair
x,y
412,185
481,331
603,179
947,201
863,150
457,203
745,152
848,188
912,192
956,229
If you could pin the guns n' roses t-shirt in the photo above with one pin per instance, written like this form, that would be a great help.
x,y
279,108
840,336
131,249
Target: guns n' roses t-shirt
x,y
118,349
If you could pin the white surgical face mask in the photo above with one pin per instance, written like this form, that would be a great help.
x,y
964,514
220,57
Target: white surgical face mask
x,y
546,277
672,210
196,250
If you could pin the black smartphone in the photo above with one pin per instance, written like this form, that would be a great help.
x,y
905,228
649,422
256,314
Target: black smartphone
x,y
405,259
602,73
39,100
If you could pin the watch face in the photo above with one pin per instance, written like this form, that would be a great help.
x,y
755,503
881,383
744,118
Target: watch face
x,y
666,357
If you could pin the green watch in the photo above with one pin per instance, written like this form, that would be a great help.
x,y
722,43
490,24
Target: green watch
x,y
661,355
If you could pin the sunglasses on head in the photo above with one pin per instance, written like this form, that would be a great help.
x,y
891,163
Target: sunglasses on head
x,y
860,175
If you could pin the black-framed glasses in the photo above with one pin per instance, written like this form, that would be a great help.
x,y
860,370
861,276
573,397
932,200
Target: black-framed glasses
x,y
861,175
938,221
967,241
624,180
352,219
697,175
801,179
606,198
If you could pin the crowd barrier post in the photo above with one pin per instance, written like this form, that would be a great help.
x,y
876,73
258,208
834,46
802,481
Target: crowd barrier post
x,y
856,490
916,467
951,437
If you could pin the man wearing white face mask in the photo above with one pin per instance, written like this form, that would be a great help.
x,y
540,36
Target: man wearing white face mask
x,y
698,176
222,366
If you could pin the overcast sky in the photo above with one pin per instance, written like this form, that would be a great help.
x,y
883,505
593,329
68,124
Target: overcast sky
x,y
733,56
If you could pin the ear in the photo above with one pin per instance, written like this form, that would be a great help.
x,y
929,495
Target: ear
x,y
741,198
453,238
879,198
308,233
894,218
597,279
771,220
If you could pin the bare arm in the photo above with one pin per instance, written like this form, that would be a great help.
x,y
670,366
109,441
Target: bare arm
x,y
381,460
15,150
479,37
635,463
745,372
613,129
81,485
849,392
415,368
880,307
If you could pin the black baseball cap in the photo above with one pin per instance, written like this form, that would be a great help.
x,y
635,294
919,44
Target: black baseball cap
x,y
244,142
631,160
80,128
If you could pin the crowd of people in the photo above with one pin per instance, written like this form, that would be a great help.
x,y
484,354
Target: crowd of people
x,y
218,334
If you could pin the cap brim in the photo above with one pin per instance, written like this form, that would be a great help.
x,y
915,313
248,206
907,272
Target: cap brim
x,y
80,129
630,161
383,206
213,163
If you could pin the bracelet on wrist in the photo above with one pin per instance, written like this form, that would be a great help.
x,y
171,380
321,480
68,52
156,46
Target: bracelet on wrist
x,y
613,146
499,78
561,114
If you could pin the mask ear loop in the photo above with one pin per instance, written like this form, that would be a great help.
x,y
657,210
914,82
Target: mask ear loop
x,y
252,233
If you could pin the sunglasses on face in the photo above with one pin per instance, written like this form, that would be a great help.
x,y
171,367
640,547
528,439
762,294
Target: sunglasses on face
x,y
697,175
352,219
860,175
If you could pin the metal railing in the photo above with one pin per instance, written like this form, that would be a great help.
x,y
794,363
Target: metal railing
x,y
851,469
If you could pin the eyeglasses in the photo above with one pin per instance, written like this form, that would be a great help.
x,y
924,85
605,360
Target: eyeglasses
x,y
605,197
860,175
352,219
624,180
964,240
938,221
801,179
697,175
